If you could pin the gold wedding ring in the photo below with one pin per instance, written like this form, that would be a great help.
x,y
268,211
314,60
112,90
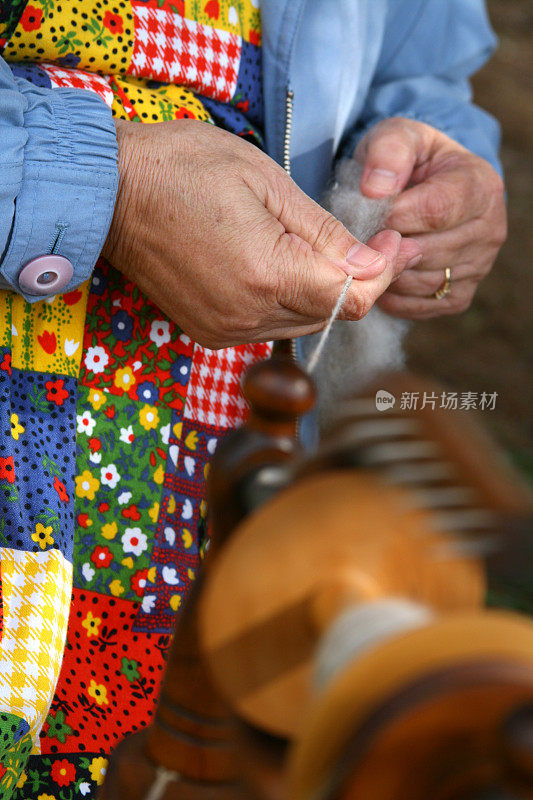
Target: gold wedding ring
x,y
445,286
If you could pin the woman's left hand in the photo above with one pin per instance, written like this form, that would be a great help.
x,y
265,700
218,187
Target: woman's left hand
x,y
450,201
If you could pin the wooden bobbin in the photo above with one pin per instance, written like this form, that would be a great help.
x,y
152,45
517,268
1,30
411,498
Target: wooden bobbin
x,y
329,541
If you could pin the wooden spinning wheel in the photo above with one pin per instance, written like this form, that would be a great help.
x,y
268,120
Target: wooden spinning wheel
x,y
330,541
340,611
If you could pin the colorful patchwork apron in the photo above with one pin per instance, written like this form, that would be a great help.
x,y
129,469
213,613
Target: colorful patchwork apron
x,y
109,414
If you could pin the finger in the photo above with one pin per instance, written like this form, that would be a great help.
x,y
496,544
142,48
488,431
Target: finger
x,y
470,242
389,153
441,250
408,254
442,202
421,308
416,283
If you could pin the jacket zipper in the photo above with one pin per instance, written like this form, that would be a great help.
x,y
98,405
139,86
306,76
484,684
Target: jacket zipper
x,y
289,100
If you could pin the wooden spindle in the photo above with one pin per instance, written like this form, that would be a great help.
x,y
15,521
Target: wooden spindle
x,y
255,462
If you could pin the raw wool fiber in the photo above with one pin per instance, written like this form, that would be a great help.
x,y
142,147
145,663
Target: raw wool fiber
x,y
355,352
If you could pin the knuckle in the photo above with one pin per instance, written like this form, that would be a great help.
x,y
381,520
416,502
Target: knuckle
x,y
396,145
495,184
376,132
357,308
277,184
499,231
479,271
329,229
495,211
436,207
392,126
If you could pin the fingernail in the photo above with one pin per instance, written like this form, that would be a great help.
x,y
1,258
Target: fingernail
x,y
382,181
415,261
360,256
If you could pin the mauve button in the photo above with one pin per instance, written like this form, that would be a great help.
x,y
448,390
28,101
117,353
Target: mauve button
x,y
46,275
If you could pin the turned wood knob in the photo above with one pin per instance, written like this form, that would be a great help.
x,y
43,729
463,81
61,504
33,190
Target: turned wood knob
x,y
278,391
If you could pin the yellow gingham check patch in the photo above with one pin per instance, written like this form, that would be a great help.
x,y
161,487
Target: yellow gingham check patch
x,y
36,591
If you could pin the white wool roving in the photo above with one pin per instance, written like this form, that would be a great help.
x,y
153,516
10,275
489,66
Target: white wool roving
x,y
355,352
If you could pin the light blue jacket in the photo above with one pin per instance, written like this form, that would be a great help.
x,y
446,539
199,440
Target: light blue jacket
x,y
348,63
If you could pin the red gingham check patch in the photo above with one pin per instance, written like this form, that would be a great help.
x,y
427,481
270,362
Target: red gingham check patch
x,y
176,50
214,393
79,79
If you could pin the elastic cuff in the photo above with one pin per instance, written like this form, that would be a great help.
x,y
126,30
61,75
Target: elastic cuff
x,y
69,183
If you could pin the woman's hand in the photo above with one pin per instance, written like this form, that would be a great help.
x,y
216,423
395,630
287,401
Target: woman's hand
x,y
227,245
453,207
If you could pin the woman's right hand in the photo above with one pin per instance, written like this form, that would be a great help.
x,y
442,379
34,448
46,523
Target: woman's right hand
x,y
224,242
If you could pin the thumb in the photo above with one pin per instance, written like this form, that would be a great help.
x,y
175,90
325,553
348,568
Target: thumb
x,y
301,217
389,153
309,283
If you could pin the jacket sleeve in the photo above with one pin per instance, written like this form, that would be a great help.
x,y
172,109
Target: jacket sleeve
x,y
430,49
58,154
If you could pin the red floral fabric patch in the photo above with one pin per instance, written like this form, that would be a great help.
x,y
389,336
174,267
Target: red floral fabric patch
x,y
105,689
130,347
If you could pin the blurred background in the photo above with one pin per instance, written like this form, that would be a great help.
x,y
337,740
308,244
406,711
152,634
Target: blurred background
x,y
490,347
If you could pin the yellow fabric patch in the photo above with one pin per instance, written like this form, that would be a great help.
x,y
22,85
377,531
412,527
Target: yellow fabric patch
x,y
241,17
106,27
134,98
36,590
45,336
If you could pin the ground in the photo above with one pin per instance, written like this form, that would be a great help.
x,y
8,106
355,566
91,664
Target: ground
x,y
490,347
